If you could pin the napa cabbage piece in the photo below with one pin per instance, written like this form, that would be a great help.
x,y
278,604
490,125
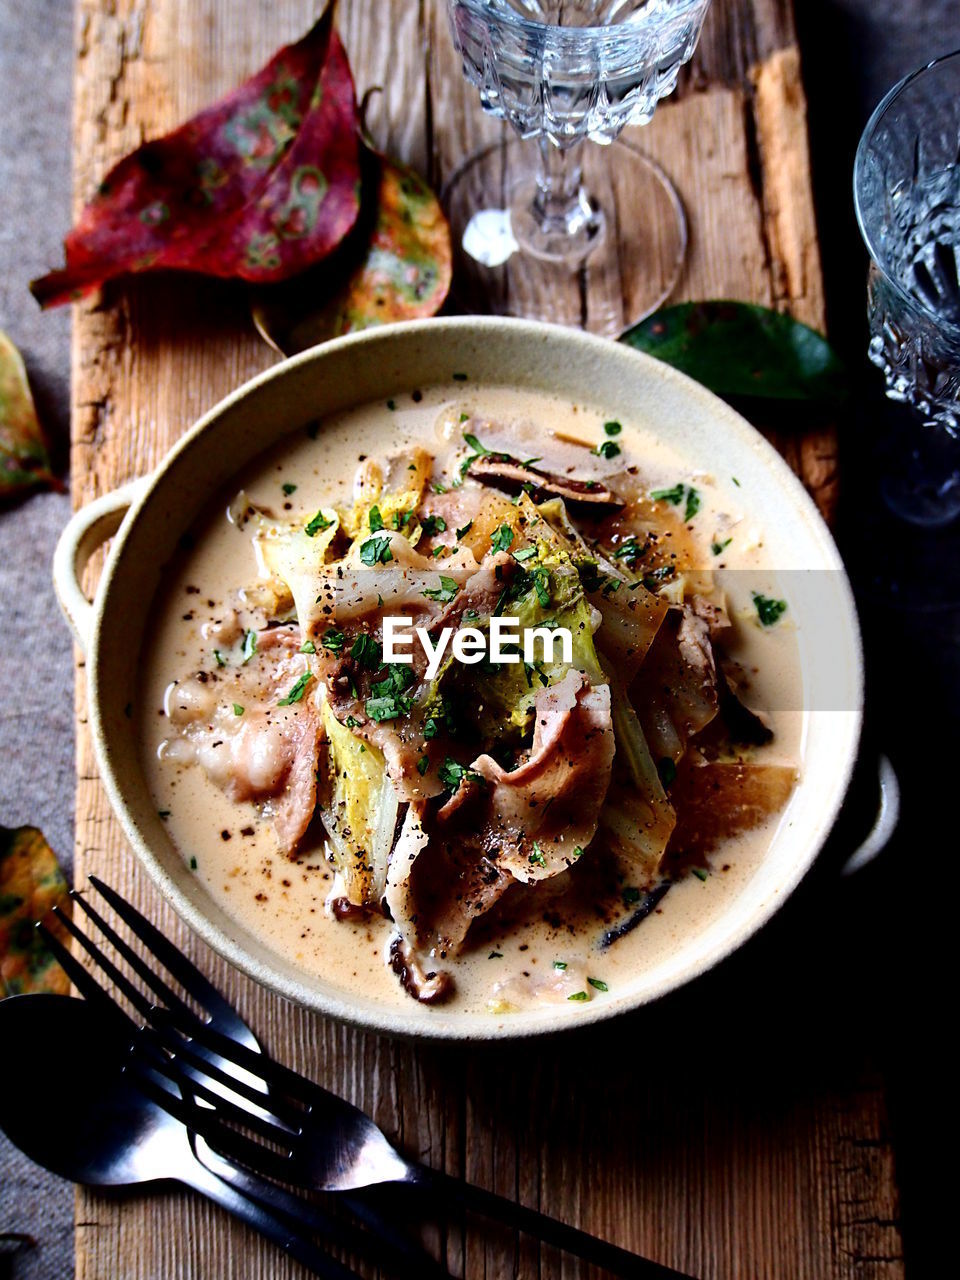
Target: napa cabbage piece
x,y
631,615
287,552
545,592
637,815
388,496
359,809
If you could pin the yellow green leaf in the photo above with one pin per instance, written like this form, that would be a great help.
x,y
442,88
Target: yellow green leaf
x,y
24,461
31,885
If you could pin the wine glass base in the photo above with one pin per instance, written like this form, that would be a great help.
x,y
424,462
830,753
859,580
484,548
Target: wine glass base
x,y
622,265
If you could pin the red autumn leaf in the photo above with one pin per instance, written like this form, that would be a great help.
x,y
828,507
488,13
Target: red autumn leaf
x,y
398,266
259,186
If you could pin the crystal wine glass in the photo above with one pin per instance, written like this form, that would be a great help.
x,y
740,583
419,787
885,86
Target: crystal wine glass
x,y
543,226
907,195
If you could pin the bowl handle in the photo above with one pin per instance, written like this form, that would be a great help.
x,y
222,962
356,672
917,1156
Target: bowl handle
x,y
88,529
886,817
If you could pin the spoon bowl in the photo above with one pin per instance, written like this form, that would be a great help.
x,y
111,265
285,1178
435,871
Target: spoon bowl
x,y
117,1137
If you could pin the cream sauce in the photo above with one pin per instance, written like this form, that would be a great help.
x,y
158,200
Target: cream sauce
x,y
233,849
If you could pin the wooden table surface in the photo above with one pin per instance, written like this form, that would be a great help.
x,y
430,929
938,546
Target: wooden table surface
x,y
720,1132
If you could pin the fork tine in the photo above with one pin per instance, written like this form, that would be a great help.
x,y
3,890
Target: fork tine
x,y
189,1084
136,998
187,974
82,979
208,1123
143,970
273,1073
192,1061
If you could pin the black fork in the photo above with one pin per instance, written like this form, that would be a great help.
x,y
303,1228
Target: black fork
x,y
390,1247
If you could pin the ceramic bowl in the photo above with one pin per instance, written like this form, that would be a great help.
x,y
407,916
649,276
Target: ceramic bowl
x,y
151,515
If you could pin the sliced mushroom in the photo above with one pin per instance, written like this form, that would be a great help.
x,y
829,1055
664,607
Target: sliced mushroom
x,y
507,473
428,988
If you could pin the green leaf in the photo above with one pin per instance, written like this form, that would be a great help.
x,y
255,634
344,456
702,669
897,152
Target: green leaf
x,y
446,591
296,690
502,539
318,524
375,551
769,611
739,349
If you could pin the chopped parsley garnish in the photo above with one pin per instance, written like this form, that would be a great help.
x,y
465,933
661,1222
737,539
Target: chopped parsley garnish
x,y
541,584
630,550
367,651
333,640
667,771
288,488
308,647
376,520
375,551
383,708
768,611
676,495
431,727
462,533
578,852
439,488
502,539
718,548
451,773
700,873
536,855
631,896
220,659
596,982
401,519
612,428
297,689
423,764
579,995
440,551
317,525
559,964
237,709
479,451
525,553
735,481
464,417
389,699
447,589
471,615
391,405
351,722
249,646
433,524
654,580
608,449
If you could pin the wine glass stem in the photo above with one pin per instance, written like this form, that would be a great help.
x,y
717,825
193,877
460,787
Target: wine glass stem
x,y
561,221
559,179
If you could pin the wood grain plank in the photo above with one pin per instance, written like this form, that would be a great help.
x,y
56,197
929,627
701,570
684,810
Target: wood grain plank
x,y
629,1132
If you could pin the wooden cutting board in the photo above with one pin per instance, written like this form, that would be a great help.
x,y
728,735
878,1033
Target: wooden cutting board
x,y
706,1132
